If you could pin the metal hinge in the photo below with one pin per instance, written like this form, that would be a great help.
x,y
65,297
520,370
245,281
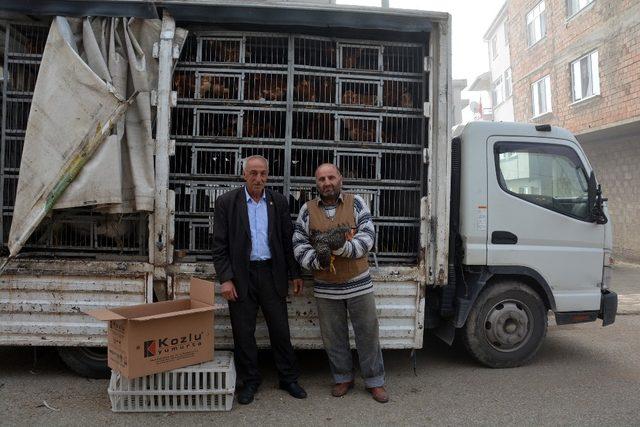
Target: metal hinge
x,y
428,63
426,109
425,156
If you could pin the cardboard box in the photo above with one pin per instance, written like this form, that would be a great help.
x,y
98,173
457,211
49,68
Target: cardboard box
x,y
150,338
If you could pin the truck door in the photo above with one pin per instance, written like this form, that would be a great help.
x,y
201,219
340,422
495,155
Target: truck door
x,y
538,217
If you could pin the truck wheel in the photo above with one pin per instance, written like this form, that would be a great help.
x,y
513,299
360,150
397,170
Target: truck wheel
x,y
89,362
506,325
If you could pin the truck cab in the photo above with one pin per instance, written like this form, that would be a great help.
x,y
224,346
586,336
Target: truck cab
x,y
529,233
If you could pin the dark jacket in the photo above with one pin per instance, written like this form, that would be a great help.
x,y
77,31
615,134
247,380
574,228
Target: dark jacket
x,y
232,240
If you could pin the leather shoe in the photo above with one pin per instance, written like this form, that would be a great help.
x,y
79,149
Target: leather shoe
x,y
246,394
379,394
340,389
294,390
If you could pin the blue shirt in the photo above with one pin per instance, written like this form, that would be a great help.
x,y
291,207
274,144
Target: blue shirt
x,y
259,223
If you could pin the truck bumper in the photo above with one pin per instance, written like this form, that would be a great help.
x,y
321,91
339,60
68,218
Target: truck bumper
x,y
608,310
608,307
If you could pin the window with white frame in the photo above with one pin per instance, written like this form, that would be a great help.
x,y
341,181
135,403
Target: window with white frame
x,y
585,81
575,6
507,83
498,91
494,46
536,24
541,96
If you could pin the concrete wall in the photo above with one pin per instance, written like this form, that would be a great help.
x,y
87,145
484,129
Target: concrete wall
x,y
616,160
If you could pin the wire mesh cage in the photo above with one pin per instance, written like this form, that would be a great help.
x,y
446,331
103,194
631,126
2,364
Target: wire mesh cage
x,y
79,232
315,89
217,123
359,166
274,154
218,50
362,93
25,41
195,209
404,94
399,203
361,57
264,123
73,232
218,86
403,58
402,130
261,86
16,115
396,241
314,52
12,153
313,126
354,103
214,162
184,83
197,198
359,129
304,161
21,76
266,50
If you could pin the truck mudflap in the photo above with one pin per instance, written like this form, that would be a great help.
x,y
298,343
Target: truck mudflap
x,y
608,307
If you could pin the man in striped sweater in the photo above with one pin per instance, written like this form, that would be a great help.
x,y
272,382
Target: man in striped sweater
x,y
342,283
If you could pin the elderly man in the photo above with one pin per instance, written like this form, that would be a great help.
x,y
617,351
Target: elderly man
x,y
253,258
332,238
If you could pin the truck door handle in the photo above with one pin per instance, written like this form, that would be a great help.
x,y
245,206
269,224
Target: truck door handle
x,y
503,238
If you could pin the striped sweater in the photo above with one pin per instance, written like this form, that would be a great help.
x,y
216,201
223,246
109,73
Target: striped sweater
x,y
357,247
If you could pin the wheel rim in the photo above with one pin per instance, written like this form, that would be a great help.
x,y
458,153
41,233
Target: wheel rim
x,y
99,354
507,325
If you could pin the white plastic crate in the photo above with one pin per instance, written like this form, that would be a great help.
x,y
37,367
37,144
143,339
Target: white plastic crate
x,y
205,387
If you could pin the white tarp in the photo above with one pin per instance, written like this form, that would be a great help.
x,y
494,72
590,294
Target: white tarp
x,y
89,67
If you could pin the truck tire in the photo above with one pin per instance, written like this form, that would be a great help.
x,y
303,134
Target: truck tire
x,y
506,325
89,362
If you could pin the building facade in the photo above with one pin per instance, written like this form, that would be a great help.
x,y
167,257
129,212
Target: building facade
x,y
576,64
497,39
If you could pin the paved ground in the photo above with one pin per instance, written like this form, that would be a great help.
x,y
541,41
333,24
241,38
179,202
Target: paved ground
x,y
626,282
583,375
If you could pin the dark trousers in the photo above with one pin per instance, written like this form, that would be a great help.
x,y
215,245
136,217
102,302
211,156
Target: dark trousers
x,y
262,293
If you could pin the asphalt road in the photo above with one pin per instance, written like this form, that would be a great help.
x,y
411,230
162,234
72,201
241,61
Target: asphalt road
x,y
584,375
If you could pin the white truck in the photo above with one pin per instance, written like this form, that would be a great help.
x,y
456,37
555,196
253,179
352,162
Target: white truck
x,y
481,232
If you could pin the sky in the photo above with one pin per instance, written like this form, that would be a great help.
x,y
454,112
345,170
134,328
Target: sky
x,y
470,21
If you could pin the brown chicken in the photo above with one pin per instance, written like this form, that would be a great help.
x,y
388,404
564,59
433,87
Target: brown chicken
x,y
184,84
214,87
406,99
350,97
305,92
327,89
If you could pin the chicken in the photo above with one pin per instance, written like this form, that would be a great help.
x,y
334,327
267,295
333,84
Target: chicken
x,y
214,87
326,242
305,92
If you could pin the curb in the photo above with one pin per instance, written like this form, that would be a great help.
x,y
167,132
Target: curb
x,y
629,304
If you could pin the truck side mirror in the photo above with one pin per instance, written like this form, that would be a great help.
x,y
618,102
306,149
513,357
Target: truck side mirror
x,y
595,201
